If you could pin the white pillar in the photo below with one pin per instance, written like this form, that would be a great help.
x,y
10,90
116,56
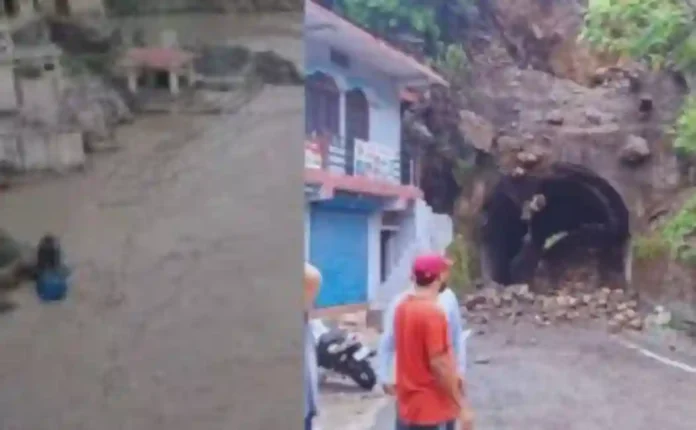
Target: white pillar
x,y
132,81
19,90
342,129
173,82
191,71
342,113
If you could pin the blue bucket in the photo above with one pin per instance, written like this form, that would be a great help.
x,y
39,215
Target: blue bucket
x,y
52,286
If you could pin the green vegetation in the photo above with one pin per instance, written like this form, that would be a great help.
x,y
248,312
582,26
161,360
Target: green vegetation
x,y
659,32
685,128
393,16
650,248
451,59
678,231
676,237
463,265
421,20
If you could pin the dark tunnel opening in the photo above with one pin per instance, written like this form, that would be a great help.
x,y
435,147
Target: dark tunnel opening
x,y
579,209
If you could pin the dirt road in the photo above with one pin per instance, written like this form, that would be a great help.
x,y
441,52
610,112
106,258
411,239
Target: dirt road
x,y
574,379
177,241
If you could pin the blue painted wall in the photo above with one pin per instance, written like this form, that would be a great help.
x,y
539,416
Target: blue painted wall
x,y
382,93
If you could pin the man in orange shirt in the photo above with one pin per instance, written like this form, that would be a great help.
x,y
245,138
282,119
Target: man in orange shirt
x,y
430,395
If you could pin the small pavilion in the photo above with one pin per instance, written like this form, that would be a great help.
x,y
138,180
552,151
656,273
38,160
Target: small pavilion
x,y
176,63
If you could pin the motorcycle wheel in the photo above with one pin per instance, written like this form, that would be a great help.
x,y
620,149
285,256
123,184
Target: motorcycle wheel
x,y
363,374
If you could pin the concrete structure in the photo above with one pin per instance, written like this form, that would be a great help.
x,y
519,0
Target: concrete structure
x,y
17,9
8,91
30,136
74,7
43,57
365,219
146,63
20,11
31,149
65,7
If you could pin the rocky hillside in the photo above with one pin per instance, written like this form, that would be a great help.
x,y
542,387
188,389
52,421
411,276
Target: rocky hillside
x,y
566,128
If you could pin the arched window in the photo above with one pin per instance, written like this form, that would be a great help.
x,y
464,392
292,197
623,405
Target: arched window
x,y
357,123
322,109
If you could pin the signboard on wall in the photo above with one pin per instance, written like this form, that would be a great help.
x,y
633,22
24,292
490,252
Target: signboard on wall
x,y
312,192
312,155
377,161
336,162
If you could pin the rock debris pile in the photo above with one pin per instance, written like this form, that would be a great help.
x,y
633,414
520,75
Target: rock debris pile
x,y
616,308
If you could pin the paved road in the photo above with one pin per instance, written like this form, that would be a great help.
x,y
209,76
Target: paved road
x,y
178,242
565,378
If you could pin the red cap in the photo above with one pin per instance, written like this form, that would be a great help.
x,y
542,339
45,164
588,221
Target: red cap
x,y
430,265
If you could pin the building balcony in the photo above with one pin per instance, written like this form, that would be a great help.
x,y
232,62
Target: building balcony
x,y
364,167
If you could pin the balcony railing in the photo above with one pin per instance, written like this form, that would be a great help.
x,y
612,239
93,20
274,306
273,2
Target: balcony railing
x,y
356,157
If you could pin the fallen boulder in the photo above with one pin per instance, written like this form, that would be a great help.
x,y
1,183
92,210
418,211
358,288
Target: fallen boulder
x,y
635,150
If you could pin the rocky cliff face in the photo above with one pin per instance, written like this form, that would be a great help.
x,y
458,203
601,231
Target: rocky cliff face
x,y
587,133
611,117
542,35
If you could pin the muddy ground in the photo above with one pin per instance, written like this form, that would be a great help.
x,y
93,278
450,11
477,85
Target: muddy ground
x,y
177,242
522,376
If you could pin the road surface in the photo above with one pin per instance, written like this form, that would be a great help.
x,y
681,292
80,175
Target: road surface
x,y
576,379
178,241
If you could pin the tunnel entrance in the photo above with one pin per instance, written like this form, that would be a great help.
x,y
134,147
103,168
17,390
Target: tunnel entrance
x,y
544,226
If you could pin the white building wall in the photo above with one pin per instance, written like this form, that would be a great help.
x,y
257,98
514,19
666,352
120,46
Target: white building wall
x,y
8,148
67,151
420,231
307,226
32,150
435,231
8,95
374,225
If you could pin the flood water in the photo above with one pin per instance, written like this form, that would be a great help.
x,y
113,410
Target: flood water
x,y
179,243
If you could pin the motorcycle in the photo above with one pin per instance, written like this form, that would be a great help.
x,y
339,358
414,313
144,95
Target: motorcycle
x,y
342,352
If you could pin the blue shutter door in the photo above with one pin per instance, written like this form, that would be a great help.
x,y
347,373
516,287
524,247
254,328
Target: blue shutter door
x,y
338,248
